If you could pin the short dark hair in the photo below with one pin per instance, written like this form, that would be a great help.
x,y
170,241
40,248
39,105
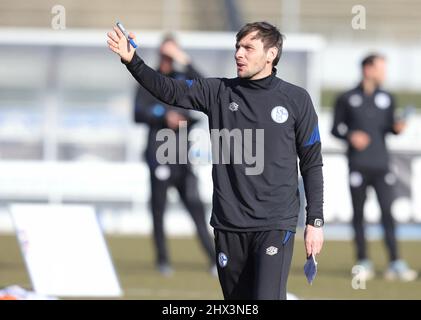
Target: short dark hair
x,y
270,35
369,60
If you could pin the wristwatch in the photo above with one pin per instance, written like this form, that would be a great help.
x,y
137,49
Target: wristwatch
x,y
316,222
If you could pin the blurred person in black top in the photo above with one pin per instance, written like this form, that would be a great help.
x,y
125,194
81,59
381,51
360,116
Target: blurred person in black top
x,y
363,117
255,189
158,115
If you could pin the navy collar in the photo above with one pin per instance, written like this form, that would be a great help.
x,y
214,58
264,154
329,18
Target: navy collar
x,y
268,82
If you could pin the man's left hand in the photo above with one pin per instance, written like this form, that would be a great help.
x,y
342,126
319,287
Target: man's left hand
x,y
313,239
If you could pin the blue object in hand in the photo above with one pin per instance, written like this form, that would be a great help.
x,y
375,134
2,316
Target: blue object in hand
x,y
310,269
126,34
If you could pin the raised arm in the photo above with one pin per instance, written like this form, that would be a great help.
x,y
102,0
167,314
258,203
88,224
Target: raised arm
x,y
197,94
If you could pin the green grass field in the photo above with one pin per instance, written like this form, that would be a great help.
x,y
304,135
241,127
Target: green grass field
x,y
133,258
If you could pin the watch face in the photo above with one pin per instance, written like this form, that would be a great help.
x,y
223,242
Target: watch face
x,y
318,223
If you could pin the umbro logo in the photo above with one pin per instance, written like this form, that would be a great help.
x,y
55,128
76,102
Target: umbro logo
x,y
271,251
233,106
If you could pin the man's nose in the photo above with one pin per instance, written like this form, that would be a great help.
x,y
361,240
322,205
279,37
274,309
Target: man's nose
x,y
239,53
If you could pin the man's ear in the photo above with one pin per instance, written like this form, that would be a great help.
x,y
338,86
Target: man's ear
x,y
271,54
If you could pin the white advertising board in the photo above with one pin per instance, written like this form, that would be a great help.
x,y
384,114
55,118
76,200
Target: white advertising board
x,y
64,250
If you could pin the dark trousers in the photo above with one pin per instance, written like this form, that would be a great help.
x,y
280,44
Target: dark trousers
x,y
381,181
184,180
254,265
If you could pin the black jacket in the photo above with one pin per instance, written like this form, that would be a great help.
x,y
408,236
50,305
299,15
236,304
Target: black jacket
x,y
265,201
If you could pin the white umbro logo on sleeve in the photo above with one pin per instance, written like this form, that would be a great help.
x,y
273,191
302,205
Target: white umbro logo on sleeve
x,y
233,106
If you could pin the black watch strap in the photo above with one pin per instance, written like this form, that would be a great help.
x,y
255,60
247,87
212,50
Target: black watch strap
x,y
315,222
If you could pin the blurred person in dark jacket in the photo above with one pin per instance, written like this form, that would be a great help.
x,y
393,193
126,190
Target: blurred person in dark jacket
x,y
174,63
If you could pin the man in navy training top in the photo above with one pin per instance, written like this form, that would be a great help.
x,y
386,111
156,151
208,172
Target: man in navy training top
x,y
255,209
362,118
